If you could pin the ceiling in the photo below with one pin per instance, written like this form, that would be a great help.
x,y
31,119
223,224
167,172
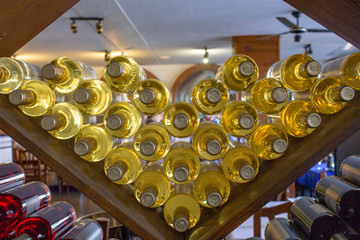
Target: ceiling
x,y
170,31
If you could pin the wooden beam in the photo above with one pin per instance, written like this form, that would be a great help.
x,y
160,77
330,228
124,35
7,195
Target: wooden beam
x,y
22,20
339,16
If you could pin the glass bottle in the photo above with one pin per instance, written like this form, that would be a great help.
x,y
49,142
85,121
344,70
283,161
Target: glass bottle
x,y
283,229
85,229
11,176
350,169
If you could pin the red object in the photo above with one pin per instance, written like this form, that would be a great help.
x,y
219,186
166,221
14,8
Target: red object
x,y
11,176
48,223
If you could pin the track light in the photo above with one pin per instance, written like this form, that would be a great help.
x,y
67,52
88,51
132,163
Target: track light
x,y
308,49
99,27
73,26
206,56
107,55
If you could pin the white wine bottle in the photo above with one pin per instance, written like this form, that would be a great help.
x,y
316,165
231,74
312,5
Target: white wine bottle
x,y
181,164
182,211
34,98
65,74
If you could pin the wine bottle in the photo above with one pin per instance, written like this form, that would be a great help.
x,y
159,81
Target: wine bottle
x,y
93,143
350,169
239,118
210,141
298,118
84,229
122,165
122,120
11,176
19,203
65,74
92,97
346,68
122,74
240,164
181,164
315,220
48,223
283,229
151,97
62,121
340,197
211,187
267,95
34,98
269,141
182,211
151,188
210,96
238,72
181,119
298,72
13,73
152,142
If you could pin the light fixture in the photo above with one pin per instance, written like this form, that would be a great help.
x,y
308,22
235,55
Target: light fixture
x,y
73,26
99,27
206,56
308,49
107,55
13,56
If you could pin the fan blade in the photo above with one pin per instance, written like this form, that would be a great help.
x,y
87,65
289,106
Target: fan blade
x,y
286,22
317,30
271,36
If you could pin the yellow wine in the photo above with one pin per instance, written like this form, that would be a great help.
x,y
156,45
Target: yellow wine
x,y
151,97
211,187
239,118
181,119
267,95
13,73
122,165
210,141
62,121
346,68
238,72
240,164
298,118
122,120
210,96
181,164
269,141
182,211
65,74
298,72
33,98
122,74
152,142
92,97
151,188
93,143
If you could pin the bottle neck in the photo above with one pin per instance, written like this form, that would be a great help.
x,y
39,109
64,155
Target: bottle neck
x,y
85,96
148,147
149,196
181,172
55,73
309,119
22,97
309,69
341,94
116,171
116,70
23,237
4,74
85,146
213,196
276,95
275,144
53,122
148,96
181,219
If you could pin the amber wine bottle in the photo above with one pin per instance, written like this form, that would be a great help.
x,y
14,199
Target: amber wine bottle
x,y
182,211
239,118
238,72
350,169
298,72
152,142
211,187
13,73
240,164
267,95
33,98
269,141
122,120
62,121
93,143
210,141
181,164
65,74
346,68
122,165
122,74
152,188
181,119
210,96
298,118
92,97
151,97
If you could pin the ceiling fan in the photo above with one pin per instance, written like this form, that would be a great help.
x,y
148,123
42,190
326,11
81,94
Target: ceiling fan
x,y
296,28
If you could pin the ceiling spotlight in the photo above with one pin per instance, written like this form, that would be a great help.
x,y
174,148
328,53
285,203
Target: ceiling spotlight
x,y
107,55
73,26
99,27
13,56
308,49
206,56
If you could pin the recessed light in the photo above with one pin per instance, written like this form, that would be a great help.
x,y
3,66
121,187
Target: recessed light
x,y
164,57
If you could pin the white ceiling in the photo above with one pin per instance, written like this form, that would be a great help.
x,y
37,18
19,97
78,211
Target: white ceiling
x,y
147,30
